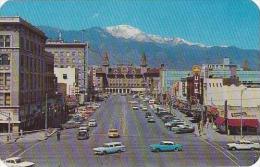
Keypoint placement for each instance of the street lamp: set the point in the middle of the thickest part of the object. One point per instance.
(241, 112)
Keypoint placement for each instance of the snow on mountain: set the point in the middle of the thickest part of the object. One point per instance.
(129, 32)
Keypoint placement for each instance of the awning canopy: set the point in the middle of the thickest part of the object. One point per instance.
(245, 122)
(219, 121)
(237, 122)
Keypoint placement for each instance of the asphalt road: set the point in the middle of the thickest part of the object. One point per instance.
(136, 135)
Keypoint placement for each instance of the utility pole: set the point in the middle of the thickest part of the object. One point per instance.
(46, 116)
(9, 125)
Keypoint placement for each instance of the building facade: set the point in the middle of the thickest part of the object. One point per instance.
(127, 78)
(68, 76)
(71, 55)
(169, 77)
(26, 74)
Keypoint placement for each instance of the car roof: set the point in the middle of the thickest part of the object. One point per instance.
(113, 143)
(165, 141)
(14, 158)
(92, 120)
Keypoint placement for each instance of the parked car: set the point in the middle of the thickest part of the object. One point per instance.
(169, 125)
(151, 120)
(113, 133)
(243, 145)
(82, 135)
(135, 107)
(144, 108)
(147, 114)
(185, 129)
(83, 128)
(108, 148)
(166, 146)
(18, 162)
(92, 123)
(70, 125)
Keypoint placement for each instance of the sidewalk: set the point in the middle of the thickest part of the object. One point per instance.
(29, 137)
(211, 134)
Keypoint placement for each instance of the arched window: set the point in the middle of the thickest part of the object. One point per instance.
(4, 59)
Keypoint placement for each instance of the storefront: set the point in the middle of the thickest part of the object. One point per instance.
(249, 122)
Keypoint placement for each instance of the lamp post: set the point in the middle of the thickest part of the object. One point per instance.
(241, 113)
(46, 115)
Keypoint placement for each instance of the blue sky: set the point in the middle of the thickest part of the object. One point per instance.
(210, 22)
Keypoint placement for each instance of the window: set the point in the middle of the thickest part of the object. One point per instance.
(1, 79)
(4, 59)
(65, 76)
(209, 84)
(5, 40)
(1, 99)
(213, 85)
(220, 84)
(7, 99)
(216, 84)
(7, 79)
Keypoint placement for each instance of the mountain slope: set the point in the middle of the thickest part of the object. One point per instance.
(125, 44)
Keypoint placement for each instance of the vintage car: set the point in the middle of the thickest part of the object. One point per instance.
(18, 162)
(243, 145)
(109, 148)
(166, 146)
(113, 133)
(92, 123)
(150, 119)
(70, 124)
(82, 135)
(184, 129)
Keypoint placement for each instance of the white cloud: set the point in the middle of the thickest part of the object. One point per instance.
(2, 2)
(257, 2)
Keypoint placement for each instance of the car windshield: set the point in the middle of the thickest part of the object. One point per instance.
(79, 74)
(18, 160)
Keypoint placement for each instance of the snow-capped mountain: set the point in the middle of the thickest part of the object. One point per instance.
(129, 32)
(125, 44)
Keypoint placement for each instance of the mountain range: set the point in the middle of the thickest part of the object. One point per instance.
(125, 45)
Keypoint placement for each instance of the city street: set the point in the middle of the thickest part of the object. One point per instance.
(136, 135)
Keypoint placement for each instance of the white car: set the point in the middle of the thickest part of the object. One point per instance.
(92, 123)
(243, 145)
(18, 162)
(144, 108)
(109, 148)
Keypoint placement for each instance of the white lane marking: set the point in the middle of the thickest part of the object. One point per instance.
(220, 151)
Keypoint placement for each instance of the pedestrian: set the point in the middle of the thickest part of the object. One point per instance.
(58, 135)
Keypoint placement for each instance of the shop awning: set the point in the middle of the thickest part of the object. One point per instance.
(219, 120)
(213, 110)
(245, 122)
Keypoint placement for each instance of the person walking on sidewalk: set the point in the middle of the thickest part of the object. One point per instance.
(58, 135)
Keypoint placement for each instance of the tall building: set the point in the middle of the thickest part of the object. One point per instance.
(71, 55)
(26, 75)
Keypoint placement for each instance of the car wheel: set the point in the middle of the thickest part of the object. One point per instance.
(157, 150)
(104, 152)
(233, 148)
(176, 149)
(252, 148)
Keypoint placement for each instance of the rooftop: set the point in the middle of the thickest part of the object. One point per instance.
(19, 20)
